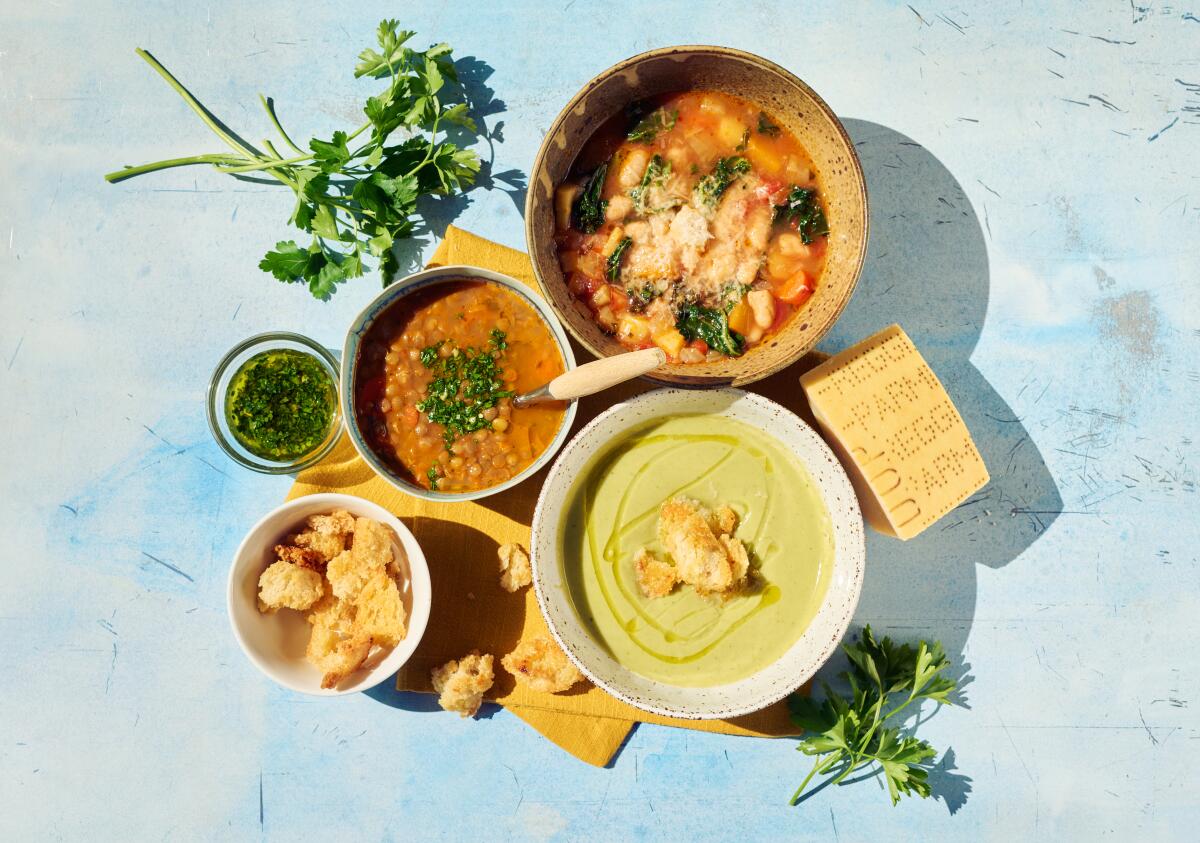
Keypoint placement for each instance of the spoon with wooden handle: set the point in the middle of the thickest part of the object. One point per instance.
(594, 377)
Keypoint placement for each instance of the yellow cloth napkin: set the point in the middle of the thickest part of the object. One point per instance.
(470, 610)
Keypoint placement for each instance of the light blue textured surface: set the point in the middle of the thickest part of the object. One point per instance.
(1036, 228)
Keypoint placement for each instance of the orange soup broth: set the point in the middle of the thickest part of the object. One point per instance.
(392, 380)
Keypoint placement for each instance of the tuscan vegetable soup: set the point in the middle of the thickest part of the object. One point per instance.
(694, 223)
(435, 381)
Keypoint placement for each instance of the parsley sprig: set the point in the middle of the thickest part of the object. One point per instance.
(845, 734)
(466, 383)
(357, 192)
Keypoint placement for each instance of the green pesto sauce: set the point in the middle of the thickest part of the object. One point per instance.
(280, 404)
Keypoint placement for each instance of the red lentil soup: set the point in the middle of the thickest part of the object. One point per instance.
(456, 351)
(694, 223)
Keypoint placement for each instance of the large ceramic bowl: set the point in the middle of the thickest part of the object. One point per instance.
(793, 104)
(353, 348)
(798, 663)
(275, 643)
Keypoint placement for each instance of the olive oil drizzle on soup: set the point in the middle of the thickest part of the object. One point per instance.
(414, 354)
(695, 224)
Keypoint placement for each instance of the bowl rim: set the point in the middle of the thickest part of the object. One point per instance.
(384, 300)
(856, 555)
(685, 381)
(212, 398)
(418, 572)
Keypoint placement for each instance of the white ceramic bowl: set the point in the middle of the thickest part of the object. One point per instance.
(275, 643)
(801, 661)
(393, 293)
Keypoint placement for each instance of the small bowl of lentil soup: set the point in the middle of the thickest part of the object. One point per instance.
(429, 370)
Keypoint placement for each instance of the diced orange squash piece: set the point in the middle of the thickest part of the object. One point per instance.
(670, 341)
(741, 317)
(795, 290)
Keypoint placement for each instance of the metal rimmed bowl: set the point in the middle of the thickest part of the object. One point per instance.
(391, 296)
(223, 375)
(790, 102)
(816, 643)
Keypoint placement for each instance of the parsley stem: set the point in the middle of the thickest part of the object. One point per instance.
(268, 105)
(264, 165)
(130, 172)
(822, 764)
(194, 104)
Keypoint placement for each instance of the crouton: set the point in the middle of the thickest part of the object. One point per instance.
(725, 520)
(334, 656)
(515, 570)
(379, 611)
(700, 559)
(326, 545)
(654, 577)
(739, 559)
(370, 552)
(540, 665)
(284, 585)
(301, 556)
(337, 523)
(462, 683)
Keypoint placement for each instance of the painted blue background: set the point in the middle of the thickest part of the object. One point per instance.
(1036, 228)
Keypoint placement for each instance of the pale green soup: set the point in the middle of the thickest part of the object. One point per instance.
(685, 639)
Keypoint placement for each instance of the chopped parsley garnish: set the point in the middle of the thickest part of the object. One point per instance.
(588, 213)
(280, 404)
(711, 325)
(765, 126)
(432, 476)
(466, 383)
(802, 210)
(710, 188)
(614, 260)
(649, 127)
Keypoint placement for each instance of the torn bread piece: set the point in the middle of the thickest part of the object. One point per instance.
(540, 665)
(655, 577)
(461, 683)
(370, 552)
(379, 611)
(337, 523)
(287, 586)
(515, 569)
(301, 556)
(701, 544)
(685, 531)
(324, 546)
(334, 647)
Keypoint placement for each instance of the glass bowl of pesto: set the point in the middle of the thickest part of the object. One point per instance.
(273, 403)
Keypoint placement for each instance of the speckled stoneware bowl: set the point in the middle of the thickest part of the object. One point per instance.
(353, 348)
(796, 106)
(812, 649)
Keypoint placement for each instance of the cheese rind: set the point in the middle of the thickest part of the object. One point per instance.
(903, 443)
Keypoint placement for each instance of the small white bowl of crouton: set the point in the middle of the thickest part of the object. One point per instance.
(329, 594)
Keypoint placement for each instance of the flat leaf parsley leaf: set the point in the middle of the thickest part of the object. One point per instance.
(357, 192)
(847, 733)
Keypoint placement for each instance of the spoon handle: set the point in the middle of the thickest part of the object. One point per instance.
(595, 376)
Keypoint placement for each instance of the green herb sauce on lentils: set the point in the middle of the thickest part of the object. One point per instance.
(280, 404)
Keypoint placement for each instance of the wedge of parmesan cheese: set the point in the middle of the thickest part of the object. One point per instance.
(900, 437)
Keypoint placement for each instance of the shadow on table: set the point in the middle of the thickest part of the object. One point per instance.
(927, 269)
(436, 212)
(459, 621)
